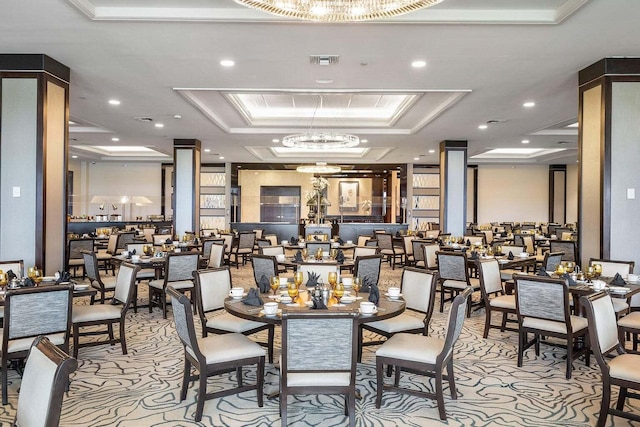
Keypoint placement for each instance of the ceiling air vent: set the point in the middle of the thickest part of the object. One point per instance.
(495, 121)
(564, 142)
(144, 119)
(324, 59)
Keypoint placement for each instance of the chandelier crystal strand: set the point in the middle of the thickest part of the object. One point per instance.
(317, 140)
(338, 10)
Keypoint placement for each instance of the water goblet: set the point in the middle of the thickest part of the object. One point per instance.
(292, 290)
(357, 285)
(319, 254)
(298, 278)
(305, 253)
(31, 272)
(597, 269)
(570, 266)
(333, 253)
(333, 278)
(275, 284)
(338, 291)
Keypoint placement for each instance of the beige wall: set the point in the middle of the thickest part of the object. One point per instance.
(364, 193)
(513, 193)
(572, 193)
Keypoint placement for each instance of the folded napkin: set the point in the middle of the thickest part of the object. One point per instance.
(340, 257)
(340, 241)
(468, 242)
(474, 255)
(542, 272)
(263, 284)
(312, 282)
(463, 250)
(133, 252)
(510, 256)
(28, 283)
(298, 257)
(63, 276)
(397, 234)
(196, 241)
(169, 241)
(318, 304)
(567, 277)
(293, 241)
(366, 285)
(618, 280)
(420, 235)
(252, 298)
(10, 275)
(374, 294)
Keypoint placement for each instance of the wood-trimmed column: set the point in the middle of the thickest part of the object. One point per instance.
(558, 194)
(34, 143)
(186, 186)
(453, 187)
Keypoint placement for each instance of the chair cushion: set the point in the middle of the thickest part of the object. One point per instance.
(76, 262)
(504, 301)
(625, 367)
(244, 251)
(619, 305)
(577, 324)
(387, 252)
(339, 379)
(507, 273)
(228, 322)
(108, 281)
(23, 344)
(459, 284)
(227, 347)
(419, 263)
(101, 256)
(412, 347)
(148, 273)
(158, 283)
(630, 321)
(90, 313)
(404, 322)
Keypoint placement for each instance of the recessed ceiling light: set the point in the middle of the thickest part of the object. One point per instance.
(207, 150)
(432, 151)
(275, 140)
(221, 157)
(483, 127)
(177, 116)
(114, 139)
(324, 81)
(159, 125)
(364, 141)
(529, 104)
(227, 63)
(114, 102)
(74, 157)
(419, 64)
(416, 158)
(72, 123)
(525, 141)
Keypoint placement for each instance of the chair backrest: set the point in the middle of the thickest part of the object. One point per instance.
(455, 321)
(304, 343)
(112, 244)
(385, 241)
(367, 267)
(166, 229)
(76, 246)
(262, 243)
(216, 256)
(49, 313)
(138, 247)
(212, 288)
(514, 249)
(272, 250)
(551, 260)
(362, 240)
(476, 238)
(543, 298)
(272, 238)
(488, 236)
(408, 246)
(124, 238)
(125, 284)
(490, 281)
(419, 289)
(264, 265)
(206, 246)
(430, 258)
(431, 234)
(208, 232)
(46, 375)
(321, 269)
(160, 239)
(181, 266)
(525, 240)
(611, 267)
(567, 235)
(228, 242)
(364, 251)
(452, 266)
(603, 326)
(373, 243)
(148, 234)
(566, 246)
(258, 233)
(183, 318)
(312, 247)
(16, 266)
(246, 240)
(416, 248)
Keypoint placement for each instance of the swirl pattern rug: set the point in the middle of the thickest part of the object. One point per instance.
(142, 388)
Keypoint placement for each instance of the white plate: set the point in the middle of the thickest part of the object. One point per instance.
(48, 279)
(348, 300)
(278, 313)
(284, 300)
(238, 297)
(387, 294)
(80, 287)
(368, 314)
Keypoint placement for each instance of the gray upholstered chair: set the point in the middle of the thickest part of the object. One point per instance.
(454, 277)
(364, 250)
(244, 247)
(74, 258)
(216, 256)
(48, 313)
(566, 246)
(418, 253)
(306, 367)
(124, 238)
(420, 353)
(178, 272)
(104, 257)
(622, 369)
(418, 289)
(212, 288)
(493, 295)
(45, 378)
(542, 305)
(526, 241)
(206, 249)
(367, 268)
(213, 355)
(551, 260)
(392, 252)
(264, 265)
(102, 284)
(106, 314)
(312, 247)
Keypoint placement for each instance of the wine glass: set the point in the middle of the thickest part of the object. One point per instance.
(275, 284)
(292, 290)
(37, 276)
(570, 266)
(590, 273)
(597, 269)
(305, 253)
(333, 278)
(357, 285)
(298, 278)
(31, 272)
(338, 291)
(3, 279)
(319, 254)
(333, 253)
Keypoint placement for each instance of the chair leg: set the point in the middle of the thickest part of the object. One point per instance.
(112, 339)
(487, 322)
(76, 339)
(270, 339)
(352, 408)
(202, 394)
(569, 357)
(283, 407)
(396, 380)
(260, 382)
(604, 405)
(123, 338)
(622, 396)
(503, 325)
(452, 381)
(5, 398)
(379, 381)
(440, 395)
(185, 379)
(239, 375)
(522, 338)
(163, 296)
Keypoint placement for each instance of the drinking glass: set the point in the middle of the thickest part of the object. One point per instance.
(333, 253)
(597, 269)
(275, 283)
(292, 290)
(338, 291)
(570, 267)
(319, 254)
(31, 272)
(333, 278)
(37, 276)
(298, 278)
(305, 253)
(3, 279)
(357, 285)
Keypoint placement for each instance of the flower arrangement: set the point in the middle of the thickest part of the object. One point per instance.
(319, 183)
(366, 205)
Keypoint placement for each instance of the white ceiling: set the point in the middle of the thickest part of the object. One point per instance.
(485, 58)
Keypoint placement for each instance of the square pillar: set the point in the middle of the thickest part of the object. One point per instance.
(186, 186)
(453, 187)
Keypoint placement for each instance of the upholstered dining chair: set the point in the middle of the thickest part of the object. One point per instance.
(272, 238)
(322, 270)
(312, 247)
(206, 249)
(104, 257)
(408, 249)
(418, 253)
(216, 256)
(46, 375)
(493, 295)
(29, 312)
(454, 277)
(178, 272)
(148, 233)
(160, 239)
(212, 288)
(622, 369)
(475, 240)
(264, 265)
(364, 250)
(74, 258)
(426, 354)
(526, 241)
(418, 288)
(106, 314)
(124, 238)
(362, 240)
(542, 305)
(609, 269)
(566, 246)
(228, 246)
(273, 251)
(391, 252)
(430, 258)
(306, 367)
(367, 268)
(244, 247)
(102, 284)
(213, 355)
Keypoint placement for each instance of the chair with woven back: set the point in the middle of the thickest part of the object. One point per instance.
(390, 251)
(178, 273)
(213, 355)
(104, 257)
(418, 253)
(206, 249)
(306, 367)
(102, 284)
(454, 277)
(74, 258)
(566, 246)
(408, 249)
(367, 268)
(244, 247)
(212, 288)
(124, 238)
(264, 268)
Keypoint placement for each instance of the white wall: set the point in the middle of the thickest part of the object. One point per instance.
(513, 193)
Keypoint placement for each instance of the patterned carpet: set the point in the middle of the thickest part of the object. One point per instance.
(142, 388)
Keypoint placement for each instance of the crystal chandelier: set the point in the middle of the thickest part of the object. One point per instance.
(319, 168)
(338, 10)
(318, 140)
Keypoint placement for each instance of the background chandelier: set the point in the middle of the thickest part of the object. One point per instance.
(319, 168)
(338, 10)
(318, 140)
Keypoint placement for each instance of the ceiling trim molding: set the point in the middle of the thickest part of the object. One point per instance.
(195, 101)
(569, 8)
(436, 112)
